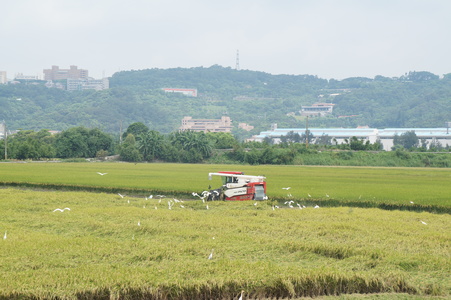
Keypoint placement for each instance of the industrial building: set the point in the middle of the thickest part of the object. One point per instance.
(384, 136)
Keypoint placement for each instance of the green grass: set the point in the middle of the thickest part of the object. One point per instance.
(97, 250)
(429, 189)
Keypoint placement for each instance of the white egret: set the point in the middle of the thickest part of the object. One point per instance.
(423, 222)
(327, 195)
(286, 188)
(241, 296)
(4, 237)
(411, 202)
(122, 196)
(207, 206)
(255, 204)
(211, 254)
(182, 206)
(61, 210)
(316, 206)
(101, 174)
(309, 195)
(139, 223)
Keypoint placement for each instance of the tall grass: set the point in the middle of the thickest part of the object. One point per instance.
(97, 250)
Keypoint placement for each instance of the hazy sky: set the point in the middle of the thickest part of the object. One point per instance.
(328, 38)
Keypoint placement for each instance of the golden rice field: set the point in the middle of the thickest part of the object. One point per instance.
(109, 247)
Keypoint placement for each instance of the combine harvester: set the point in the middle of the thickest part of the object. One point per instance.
(237, 186)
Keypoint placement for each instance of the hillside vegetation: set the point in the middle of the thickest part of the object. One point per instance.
(416, 99)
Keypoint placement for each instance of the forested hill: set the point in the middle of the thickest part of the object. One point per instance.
(415, 99)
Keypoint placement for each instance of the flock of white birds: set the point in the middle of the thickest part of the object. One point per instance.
(203, 196)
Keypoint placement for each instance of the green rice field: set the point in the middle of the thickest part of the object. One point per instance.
(355, 186)
(133, 247)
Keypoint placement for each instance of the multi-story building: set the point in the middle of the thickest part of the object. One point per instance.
(87, 84)
(207, 125)
(3, 79)
(55, 73)
(317, 109)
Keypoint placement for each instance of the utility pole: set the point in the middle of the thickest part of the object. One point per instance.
(6, 140)
(306, 132)
(120, 133)
(237, 65)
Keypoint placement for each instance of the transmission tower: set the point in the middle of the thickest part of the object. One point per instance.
(237, 65)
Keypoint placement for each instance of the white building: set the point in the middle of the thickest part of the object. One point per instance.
(207, 125)
(186, 92)
(87, 84)
(3, 79)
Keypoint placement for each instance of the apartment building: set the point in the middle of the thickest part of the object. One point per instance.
(55, 73)
(207, 125)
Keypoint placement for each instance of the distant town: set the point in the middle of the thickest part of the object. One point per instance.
(72, 79)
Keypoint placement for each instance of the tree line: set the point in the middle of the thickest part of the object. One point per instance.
(139, 143)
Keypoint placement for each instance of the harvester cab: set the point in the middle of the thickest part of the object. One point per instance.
(237, 186)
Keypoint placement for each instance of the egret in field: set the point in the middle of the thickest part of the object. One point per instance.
(207, 206)
(300, 207)
(411, 202)
(156, 207)
(151, 196)
(316, 206)
(423, 222)
(101, 174)
(61, 210)
(211, 254)
(327, 195)
(4, 237)
(309, 195)
(122, 196)
(241, 296)
(255, 204)
(182, 206)
(286, 188)
(139, 223)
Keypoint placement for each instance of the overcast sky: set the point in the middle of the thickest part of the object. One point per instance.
(328, 38)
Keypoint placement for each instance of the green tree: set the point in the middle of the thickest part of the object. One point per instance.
(136, 129)
(193, 142)
(150, 144)
(222, 140)
(129, 150)
(408, 140)
(77, 142)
